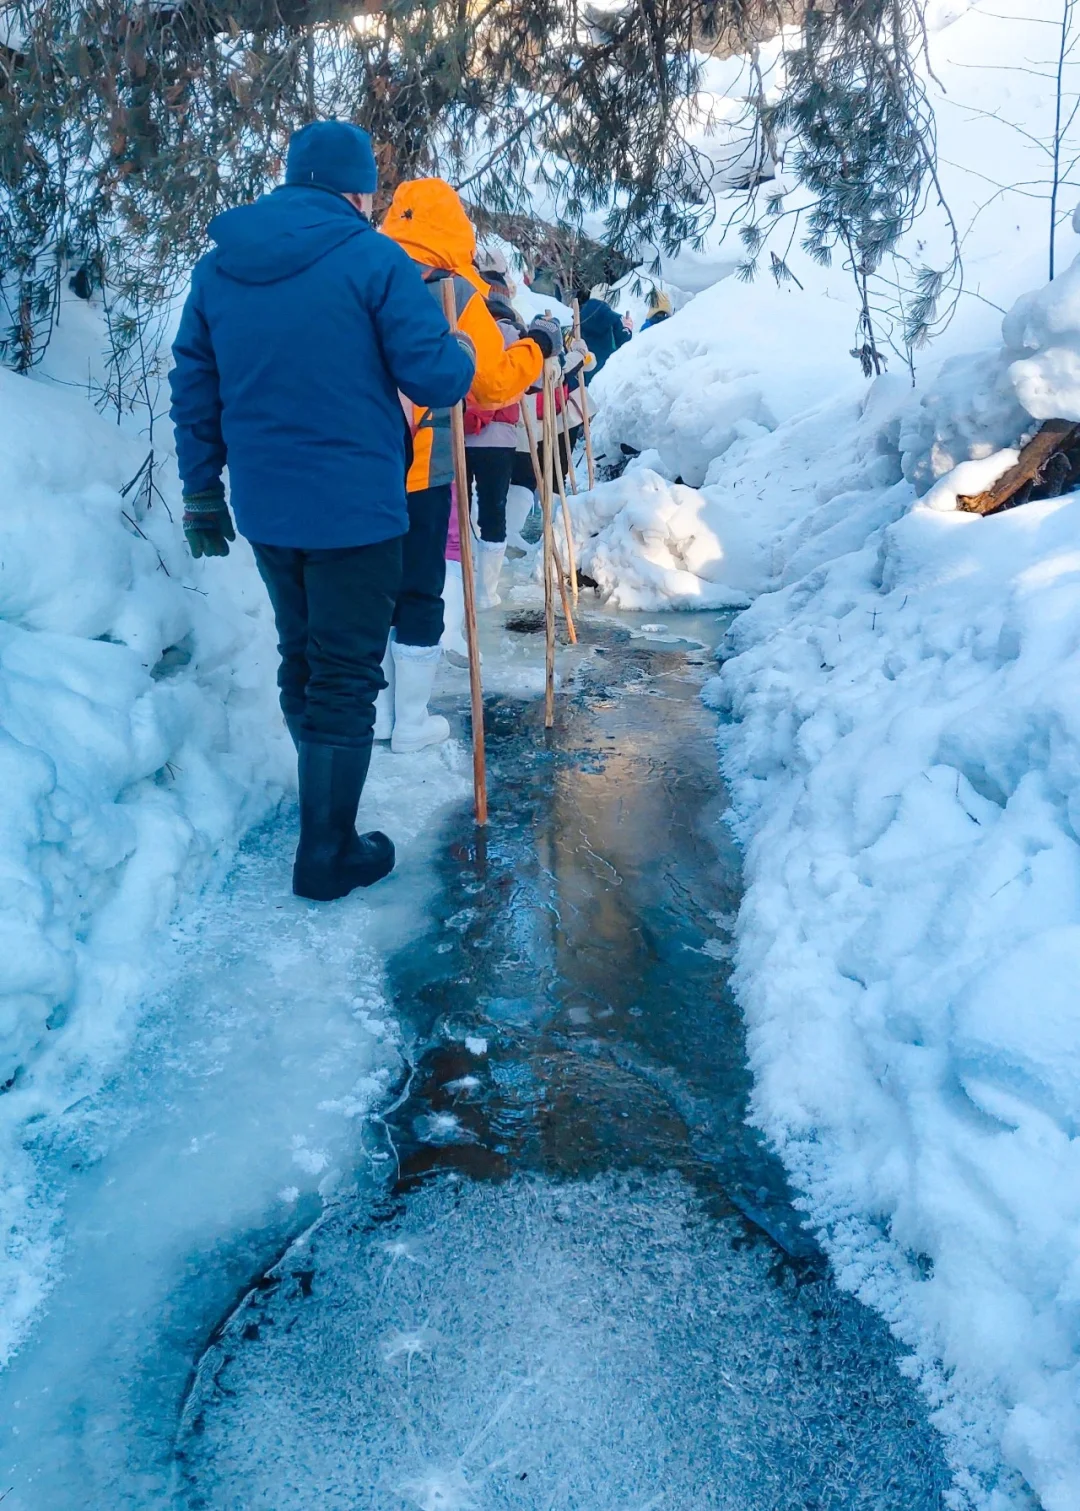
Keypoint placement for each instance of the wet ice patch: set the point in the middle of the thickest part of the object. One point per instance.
(598, 1345)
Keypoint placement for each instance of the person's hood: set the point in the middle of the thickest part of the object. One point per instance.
(282, 234)
(501, 309)
(427, 219)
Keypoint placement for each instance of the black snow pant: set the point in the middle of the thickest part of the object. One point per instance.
(418, 617)
(522, 475)
(523, 469)
(491, 469)
(333, 610)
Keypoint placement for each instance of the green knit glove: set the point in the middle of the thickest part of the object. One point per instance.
(208, 524)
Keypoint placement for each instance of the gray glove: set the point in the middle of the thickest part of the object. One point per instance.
(546, 331)
(208, 524)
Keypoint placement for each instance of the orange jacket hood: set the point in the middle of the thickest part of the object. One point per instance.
(427, 219)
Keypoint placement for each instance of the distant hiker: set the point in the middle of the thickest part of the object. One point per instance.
(491, 439)
(603, 329)
(546, 280)
(659, 309)
(428, 220)
(300, 329)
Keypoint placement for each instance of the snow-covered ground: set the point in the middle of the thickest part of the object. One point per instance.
(903, 746)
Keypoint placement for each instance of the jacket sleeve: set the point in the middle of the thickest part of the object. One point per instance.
(196, 401)
(425, 360)
(503, 373)
(618, 330)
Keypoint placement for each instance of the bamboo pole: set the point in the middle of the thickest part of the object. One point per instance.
(468, 582)
(530, 435)
(585, 406)
(548, 433)
(568, 527)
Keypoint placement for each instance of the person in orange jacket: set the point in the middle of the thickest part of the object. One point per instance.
(428, 221)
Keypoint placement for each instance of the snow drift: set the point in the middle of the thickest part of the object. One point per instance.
(138, 736)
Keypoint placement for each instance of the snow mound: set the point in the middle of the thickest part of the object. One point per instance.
(138, 736)
(1042, 333)
(905, 763)
(721, 368)
(649, 542)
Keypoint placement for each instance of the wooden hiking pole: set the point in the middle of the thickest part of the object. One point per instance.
(468, 582)
(567, 524)
(549, 435)
(556, 460)
(585, 406)
(570, 628)
(566, 432)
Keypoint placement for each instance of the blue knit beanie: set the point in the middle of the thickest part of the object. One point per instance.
(332, 155)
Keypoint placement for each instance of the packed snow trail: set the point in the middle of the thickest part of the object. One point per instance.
(584, 1285)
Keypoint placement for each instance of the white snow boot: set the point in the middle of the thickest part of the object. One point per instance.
(414, 677)
(519, 505)
(453, 642)
(489, 560)
(384, 702)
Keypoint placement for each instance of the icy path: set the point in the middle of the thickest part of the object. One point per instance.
(584, 1288)
(242, 1102)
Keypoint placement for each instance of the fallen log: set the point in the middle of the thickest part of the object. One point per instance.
(1051, 437)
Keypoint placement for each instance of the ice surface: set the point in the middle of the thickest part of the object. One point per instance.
(534, 1344)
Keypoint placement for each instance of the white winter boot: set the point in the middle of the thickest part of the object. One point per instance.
(453, 643)
(384, 702)
(414, 677)
(519, 505)
(489, 560)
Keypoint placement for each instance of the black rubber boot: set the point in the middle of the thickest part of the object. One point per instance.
(331, 858)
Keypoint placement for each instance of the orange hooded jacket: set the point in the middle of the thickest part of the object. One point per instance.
(428, 220)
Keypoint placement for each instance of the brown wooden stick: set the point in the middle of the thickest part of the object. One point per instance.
(584, 392)
(557, 464)
(468, 582)
(560, 575)
(549, 562)
(567, 522)
(566, 433)
(533, 453)
(1051, 436)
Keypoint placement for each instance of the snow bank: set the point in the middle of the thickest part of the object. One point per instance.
(691, 386)
(904, 758)
(138, 736)
(648, 541)
(905, 763)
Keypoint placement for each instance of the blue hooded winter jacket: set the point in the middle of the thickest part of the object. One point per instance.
(301, 325)
(602, 331)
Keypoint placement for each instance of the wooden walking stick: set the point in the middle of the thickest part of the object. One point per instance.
(566, 433)
(567, 524)
(585, 406)
(468, 582)
(549, 434)
(570, 627)
(556, 459)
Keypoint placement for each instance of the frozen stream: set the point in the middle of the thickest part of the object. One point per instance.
(581, 1283)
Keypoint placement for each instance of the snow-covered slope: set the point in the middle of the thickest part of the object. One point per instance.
(138, 737)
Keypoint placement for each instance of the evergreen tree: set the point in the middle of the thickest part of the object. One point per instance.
(125, 125)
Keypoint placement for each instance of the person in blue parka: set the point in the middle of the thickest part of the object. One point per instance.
(603, 329)
(302, 330)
